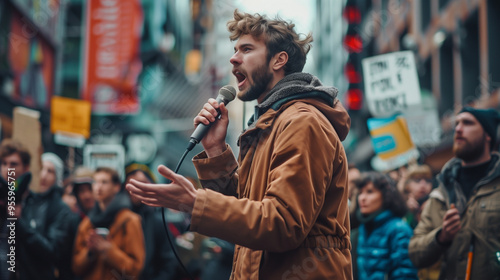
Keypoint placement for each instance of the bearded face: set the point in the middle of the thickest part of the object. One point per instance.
(470, 142)
(261, 78)
(469, 149)
(251, 68)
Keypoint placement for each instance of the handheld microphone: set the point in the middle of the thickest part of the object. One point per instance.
(226, 94)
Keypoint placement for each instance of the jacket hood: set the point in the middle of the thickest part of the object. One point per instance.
(98, 218)
(296, 83)
(308, 89)
(452, 167)
(448, 176)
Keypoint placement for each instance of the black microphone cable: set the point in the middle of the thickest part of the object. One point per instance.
(226, 94)
(165, 223)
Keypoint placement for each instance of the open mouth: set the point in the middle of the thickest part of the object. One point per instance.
(240, 77)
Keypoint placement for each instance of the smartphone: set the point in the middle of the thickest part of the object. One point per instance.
(102, 232)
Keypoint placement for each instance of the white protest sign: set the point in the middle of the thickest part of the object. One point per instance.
(391, 83)
(108, 155)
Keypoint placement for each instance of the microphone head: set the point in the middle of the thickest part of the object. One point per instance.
(228, 92)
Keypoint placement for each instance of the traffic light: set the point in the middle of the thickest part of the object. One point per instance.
(353, 44)
(354, 99)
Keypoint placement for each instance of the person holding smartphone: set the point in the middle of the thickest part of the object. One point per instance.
(110, 241)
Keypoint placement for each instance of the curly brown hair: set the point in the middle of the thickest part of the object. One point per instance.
(393, 200)
(277, 34)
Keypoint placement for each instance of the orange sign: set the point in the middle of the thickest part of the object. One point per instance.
(112, 63)
(70, 115)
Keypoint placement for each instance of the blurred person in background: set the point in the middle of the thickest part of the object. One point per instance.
(68, 196)
(82, 190)
(78, 196)
(381, 241)
(218, 259)
(353, 174)
(14, 167)
(285, 199)
(160, 262)
(398, 174)
(82, 200)
(463, 215)
(416, 187)
(110, 242)
(52, 172)
(15, 160)
(42, 230)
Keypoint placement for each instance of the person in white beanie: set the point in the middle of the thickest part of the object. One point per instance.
(42, 229)
(52, 171)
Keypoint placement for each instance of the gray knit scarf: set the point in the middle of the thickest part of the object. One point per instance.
(294, 86)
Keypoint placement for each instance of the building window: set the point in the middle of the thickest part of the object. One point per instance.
(425, 74)
(447, 92)
(469, 53)
(493, 44)
(425, 14)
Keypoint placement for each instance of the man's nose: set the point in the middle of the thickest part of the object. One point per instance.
(235, 59)
(458, 127)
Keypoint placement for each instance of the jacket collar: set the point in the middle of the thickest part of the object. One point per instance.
(294, 86)
(450, 190)
(98, 218)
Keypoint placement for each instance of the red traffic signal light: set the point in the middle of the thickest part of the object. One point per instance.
(353, 76)
(353, 43)
(354, 99)
(352, 15)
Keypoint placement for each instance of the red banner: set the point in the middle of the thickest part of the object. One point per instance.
(112, 63)
(32, 63)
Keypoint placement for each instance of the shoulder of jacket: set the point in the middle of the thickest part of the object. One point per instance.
(302, 112)
(126, 215)
(85, 224)
(395, 224)
(297, 107)
(437, 194)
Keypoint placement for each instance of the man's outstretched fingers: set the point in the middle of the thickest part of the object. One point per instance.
(145, 187)
(174, 177)
(137, 194)
(169, 173)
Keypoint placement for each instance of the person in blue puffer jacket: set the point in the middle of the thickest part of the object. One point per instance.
(380, 244)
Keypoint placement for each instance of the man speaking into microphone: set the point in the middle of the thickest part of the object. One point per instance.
(284, 201)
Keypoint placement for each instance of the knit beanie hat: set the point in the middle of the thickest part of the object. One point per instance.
(135, 166)
(58, 166)
(488, 118)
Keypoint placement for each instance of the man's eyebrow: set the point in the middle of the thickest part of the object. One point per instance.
(243, 46)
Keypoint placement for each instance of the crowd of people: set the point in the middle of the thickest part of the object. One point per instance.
(90, 228)
(289, 207)
(418, 225)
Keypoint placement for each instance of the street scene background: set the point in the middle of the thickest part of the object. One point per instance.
(108, 82)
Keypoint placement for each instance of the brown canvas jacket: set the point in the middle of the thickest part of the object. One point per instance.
(284, 203)
(124, 260)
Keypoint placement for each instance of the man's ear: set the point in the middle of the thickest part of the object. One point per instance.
(279, 60)
(488, 140)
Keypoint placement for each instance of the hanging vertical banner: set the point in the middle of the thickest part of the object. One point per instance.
(32, 62)
(111, 55)
(392, 142)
